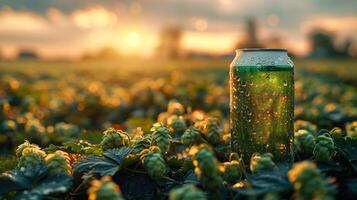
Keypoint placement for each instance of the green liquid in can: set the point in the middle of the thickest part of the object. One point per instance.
(262, 110)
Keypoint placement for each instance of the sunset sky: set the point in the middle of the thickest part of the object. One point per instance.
(67, 28)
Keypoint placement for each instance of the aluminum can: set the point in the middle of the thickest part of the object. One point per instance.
(262, 103)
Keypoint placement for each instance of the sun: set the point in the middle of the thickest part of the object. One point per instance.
(132, 39)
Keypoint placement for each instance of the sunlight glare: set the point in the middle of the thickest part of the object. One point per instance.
(133, 39)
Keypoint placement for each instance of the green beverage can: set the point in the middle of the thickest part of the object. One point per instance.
(262, 103)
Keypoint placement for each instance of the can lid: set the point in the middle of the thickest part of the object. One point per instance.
(261, 49)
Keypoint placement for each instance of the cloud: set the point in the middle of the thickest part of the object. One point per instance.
(52, 26)
(94, 17)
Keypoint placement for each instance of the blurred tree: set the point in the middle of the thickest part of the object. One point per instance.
(323, 45)
(104, 53)
(27, 54)
(250, 39)
(170, 42)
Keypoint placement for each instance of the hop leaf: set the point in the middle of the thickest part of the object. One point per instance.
(104, 189)
(307, 181)
(210, 127)
(259, 162)
(190, 137)
(153, 162)
(186, 192)
(175, 108)
(324, 148)
(304, 141)
(58, 163)
(114, 139)
(161, 136)
(232, 172)
(206, 167)
(176, 124)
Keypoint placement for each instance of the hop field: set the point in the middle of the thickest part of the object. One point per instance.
(140, 129)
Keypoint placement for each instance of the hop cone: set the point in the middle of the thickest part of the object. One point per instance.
(114, 139)
(58, 163)
(232, 172)
(351, 129)
(307, 181)
(104, 189)
(337, 132)
(206, 167)
(35, 129)
(175, 108)
(20, 149)
(324, 148)
(153, 162)
(304, 141)
(176, 124)
(190, 137)
(140, 143)
(161, 136)
(211, 128)
(300, 124)
(187, 192)
(66, 129)
(259, 162)
(29, 159)
(8, 126)
(30, 155)
(162, 117)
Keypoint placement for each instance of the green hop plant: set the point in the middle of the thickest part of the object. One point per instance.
(104, 189)
(153, 162)
(191, 136)
(161, 137)
(66, 129)
(210, 127)
(34, 129)
(187, 192)
(140, 143)
(162, 117)
(114, 139)
(233, 156)
(310, 127)
(20, 149)
(351, 129)
(232, 172)
(308, 181)
(176, 124)
(175, 108)
(58, 163)
(260, 162)
(324, 148)
(206, 167)
(304, 141)
(337, 132)
(30, 154)
(30, 159)
(8, 126)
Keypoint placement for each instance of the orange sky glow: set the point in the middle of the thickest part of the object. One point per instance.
(56, 33)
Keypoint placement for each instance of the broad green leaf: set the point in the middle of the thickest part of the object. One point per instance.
(106, 165)
(347, 147)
